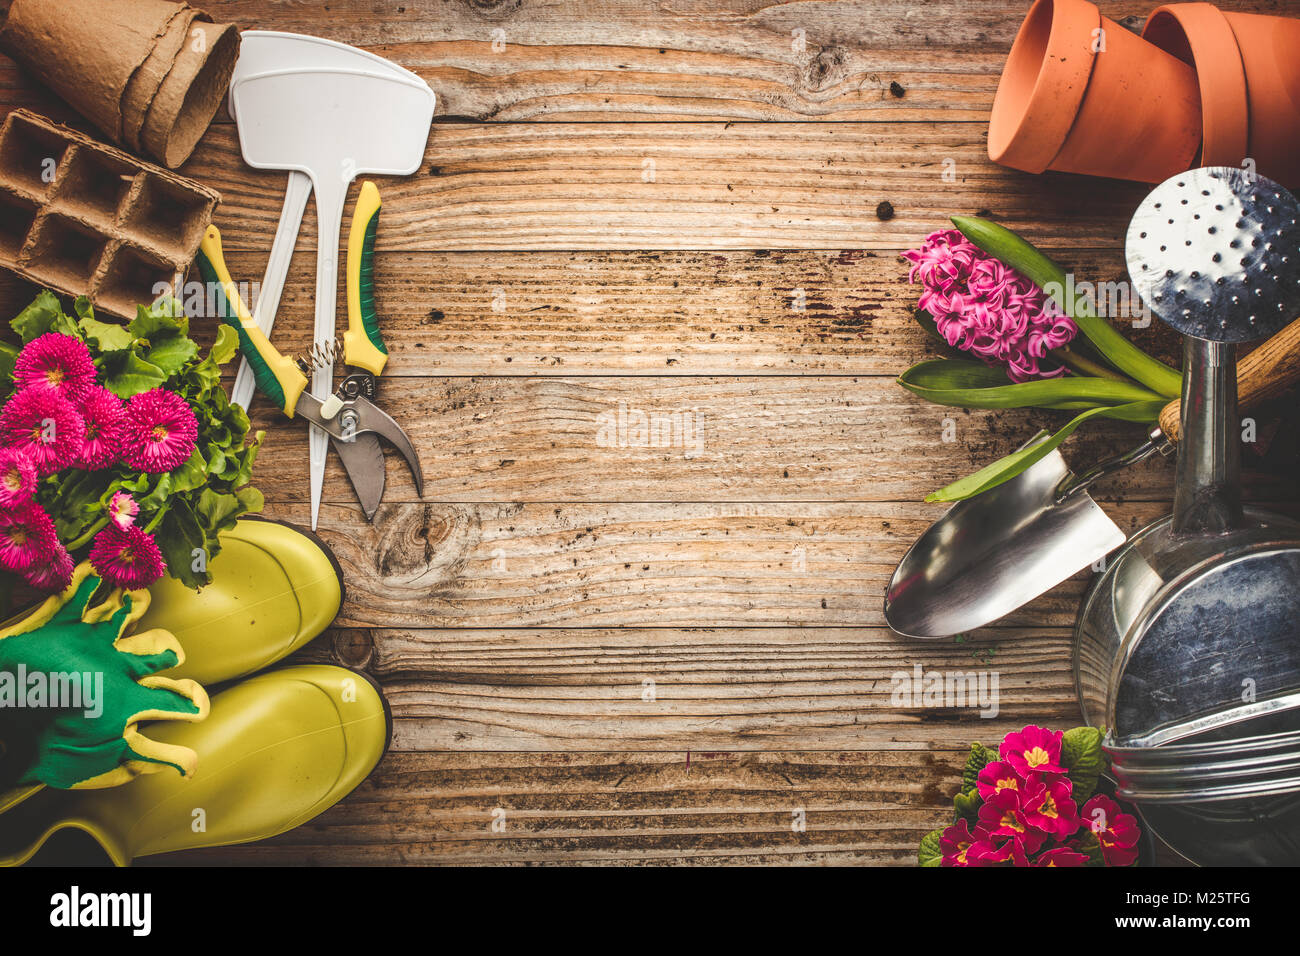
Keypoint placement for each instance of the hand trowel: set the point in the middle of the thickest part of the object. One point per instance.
(267, 51)
(1001, 549)
(332, 125)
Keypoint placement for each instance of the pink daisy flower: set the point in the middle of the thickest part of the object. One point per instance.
(105, 418)
(1117, 832)
(122, 508)
(1033, 750)
(27, 538)
(127, 559)
(17, 478)
(44, 426)
(54, 573)
(161, 431)
(56, 363)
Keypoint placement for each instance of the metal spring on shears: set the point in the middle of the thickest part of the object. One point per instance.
(321, 355)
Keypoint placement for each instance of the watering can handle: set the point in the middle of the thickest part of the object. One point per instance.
(1263, 374)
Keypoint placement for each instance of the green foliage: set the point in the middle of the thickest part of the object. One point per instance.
(1081, 755)
(188, 507)
(980, 757)
(967, 806)
(929, 852)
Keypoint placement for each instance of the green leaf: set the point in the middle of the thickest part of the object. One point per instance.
(190, 474)
(930, 852)
(43, 315)
(1004, 469)
(1081, 756)
(127, 374)
(218, 512)
(967, 806)
(163, 316)
(225, 347)
(961, 383)
(178, 535)
(1089, 845)
(106, 336)
(1001, 243)
(171, 353)
(980, 757)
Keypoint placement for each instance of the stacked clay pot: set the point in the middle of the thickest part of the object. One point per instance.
(1082, 94)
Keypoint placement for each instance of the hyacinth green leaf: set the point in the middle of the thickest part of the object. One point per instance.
(1081, 756)
(966, 384)
(980, 757)
(1004, 469)
(930, 852)
(1015, 252)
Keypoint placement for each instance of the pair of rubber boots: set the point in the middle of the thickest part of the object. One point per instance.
(276, 749)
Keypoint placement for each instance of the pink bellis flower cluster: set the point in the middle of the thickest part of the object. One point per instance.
(1029, 817)
(60, 418)
(983, 307)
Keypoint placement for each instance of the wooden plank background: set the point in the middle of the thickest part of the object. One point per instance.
(670, 208)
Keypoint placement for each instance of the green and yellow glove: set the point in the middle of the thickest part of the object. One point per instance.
(75, 686)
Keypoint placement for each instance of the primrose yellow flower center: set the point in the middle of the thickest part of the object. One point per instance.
(1037, 757)
(1008, 783)
(1009, 820)
(1048, 809)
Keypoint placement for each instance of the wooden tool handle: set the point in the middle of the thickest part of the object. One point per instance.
(1263, 374)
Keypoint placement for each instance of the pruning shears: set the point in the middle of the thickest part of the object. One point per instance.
(350, 416)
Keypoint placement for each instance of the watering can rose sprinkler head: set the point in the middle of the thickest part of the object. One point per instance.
(1215, 252)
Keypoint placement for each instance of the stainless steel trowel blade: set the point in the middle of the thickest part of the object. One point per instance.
(996, 552)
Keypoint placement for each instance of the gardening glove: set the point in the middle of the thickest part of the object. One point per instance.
(75, 685)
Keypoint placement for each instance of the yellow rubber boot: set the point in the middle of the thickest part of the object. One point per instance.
(274, 588)
(276, 750)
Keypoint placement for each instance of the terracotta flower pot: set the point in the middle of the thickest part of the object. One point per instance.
(1200, 36)
(1270, 53)
(1081, 94)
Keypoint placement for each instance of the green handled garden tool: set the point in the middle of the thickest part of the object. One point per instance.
(355, 424)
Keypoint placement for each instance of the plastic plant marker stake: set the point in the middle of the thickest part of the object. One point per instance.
(265, 51)
(332, 125)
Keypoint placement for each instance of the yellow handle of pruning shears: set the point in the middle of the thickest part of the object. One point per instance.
(278, 377)
(363, 346)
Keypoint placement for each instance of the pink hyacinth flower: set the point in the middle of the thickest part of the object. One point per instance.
(1033, 750)
(981, 306)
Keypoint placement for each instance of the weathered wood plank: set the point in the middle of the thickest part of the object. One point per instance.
(710, 59)
(686, 438)
(645, 313)
(704, 689)
(522, 186)
(676, 565)
(626, 808)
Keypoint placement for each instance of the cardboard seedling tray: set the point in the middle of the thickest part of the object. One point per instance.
(83, 218)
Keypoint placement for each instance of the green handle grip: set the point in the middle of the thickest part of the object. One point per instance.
(277, 377)
(363, 346)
